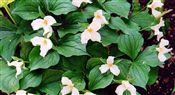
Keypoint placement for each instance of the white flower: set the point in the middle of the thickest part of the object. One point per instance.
(157, 27)
(68, 87)
(77, 3)
(45, 24)
(89, 93)
(44, 43)
(155, 4)
(162, 50)
(18, 65)
(110, 66)
(125, 86)
(91, 33)
(99, 17)
(23, 92)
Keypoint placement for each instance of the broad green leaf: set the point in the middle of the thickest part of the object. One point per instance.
(143, 19)
(25, 50)
(108, 36)
(149, 57)
(120, 7)
(8, 46)
(125, 26)
(50, 83)
(70, 29)
(27, 9)
(98, 80)
(130, 44)
(75, 17)
(79, 83)
(92, 62)
(139, 72)
(8, 82)
(97, 50)
(153, 75)
(89, 11)
(32, 79)
(71, 46)
(37, 62)
(59, 7)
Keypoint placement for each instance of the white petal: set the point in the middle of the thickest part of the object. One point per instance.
(110, 60)
(104, 68)
(95, 26)
(76, 3)
(37, 24)
(66, 81)
(50, 20)
(162, 57)
(95, 36)
(18, 71)
(45, 46)
(132, 90)
(89, 93)
(48, 31)
(21, 92)
(36, 40)
(115, 70)
(159, 36)
(156, 13)
(164, 43)
(85, 36)
(102, 18)
(75, 91)
(120, 89)
(17, 65)
(65, 90)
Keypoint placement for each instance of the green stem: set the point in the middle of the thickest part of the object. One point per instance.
(8, 12)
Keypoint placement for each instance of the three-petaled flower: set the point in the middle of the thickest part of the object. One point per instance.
(110, 66)
(155, 4)
(22, 92)
(68, 87)
(18, 65)
(44, 43)
(45, 24)
(78, 3)
(98, 17)
(125, 86)
(162, 50)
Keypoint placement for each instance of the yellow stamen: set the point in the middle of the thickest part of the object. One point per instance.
(110, 65)
(45, 22)
(90, 30)
(98, 16)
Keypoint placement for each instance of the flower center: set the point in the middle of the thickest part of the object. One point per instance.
(161, 50)
(90, 30)
(98, 16)
(45, 22)
(110, 65)
(45, 42)
(71, 86)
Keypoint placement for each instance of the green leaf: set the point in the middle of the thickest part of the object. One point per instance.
(97, 50)
(79, 83)
(25, 50)
(98, 80)
(143, 19)
(75, 17)
(139, 73)
(153, 75)
(108, 36)
(92, 62)
(120, 7)
(125, 25)
(59, 7)
(31, 80)
(130, 44)
(149, 57)
(50, 83)
(36, 61)
(8, 46)
(71, 46)
(27, 9)
(70, 29)
(8, 82)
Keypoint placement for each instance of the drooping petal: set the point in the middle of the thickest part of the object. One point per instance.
(85, 36)
(50, 20)
(18, 71)
(115, 70)
(21, 92)
(159, 36)
(156, 4)
(37, 24)
(47, 31)
(132, 90)
(66, 90)
(66, 81)
(162, 57)
(75, 91)
(104, 68)
(120, 89)
(95, 36)
(110, 60)
(156, 13)
(163, 43)
(36, 40)
(17, 65)
(76, 3)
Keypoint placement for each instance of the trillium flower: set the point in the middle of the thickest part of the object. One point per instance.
(68, 87)
(157, 27)
(44, 43)
(110, 66)
(89, 93)
(45, 24)
(99, 17)
(162, 50)
(77, 3)
(125, 86)
(23, 92)
(18, 65)
(155, 4)
(91, 33)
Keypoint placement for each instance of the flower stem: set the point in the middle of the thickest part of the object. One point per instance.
(8, 12)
